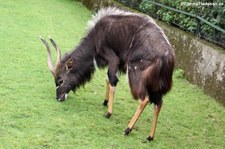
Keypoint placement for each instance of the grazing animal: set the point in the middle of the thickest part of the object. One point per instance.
(125, 42)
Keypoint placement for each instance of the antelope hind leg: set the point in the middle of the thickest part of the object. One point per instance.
(141, 107)
(154, 122)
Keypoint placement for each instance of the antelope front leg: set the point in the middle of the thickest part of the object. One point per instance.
(154, 122)
(141, 107)
(105, 103)
(111, 94)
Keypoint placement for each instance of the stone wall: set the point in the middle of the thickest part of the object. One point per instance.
(202, 62)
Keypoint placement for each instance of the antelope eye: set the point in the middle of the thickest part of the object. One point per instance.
(60, 81)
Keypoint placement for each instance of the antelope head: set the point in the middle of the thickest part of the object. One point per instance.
(62, 74)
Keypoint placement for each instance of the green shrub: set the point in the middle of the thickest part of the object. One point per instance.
(213, 13)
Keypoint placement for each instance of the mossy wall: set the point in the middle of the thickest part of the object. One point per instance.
(202, 62)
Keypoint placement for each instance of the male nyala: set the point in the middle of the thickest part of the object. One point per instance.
(124, 42)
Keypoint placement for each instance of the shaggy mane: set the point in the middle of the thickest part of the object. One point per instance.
(103, 12)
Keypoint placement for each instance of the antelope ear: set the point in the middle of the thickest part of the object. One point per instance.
(69, 64)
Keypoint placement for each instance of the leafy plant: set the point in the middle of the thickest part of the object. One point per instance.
(179, 73)
(214, 13)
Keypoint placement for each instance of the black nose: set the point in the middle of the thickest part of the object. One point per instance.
(60, 99)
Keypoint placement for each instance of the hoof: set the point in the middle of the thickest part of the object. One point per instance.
(150, 138)
(127, 131)
(107, 115)
(105, 103)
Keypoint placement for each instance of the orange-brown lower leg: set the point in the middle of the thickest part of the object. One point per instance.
(141, 107)
(112, 90)
(106, 94)
(154, 122)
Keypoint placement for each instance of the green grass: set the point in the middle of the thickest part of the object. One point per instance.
(30, 117)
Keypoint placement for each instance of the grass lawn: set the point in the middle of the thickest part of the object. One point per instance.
(30, 116)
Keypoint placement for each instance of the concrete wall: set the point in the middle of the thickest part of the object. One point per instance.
(202, 62)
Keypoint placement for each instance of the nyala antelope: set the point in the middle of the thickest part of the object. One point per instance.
(125, 42)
